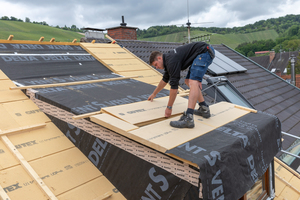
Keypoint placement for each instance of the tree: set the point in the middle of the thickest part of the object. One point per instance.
(4, 18)
(27, 20)
(12, 18)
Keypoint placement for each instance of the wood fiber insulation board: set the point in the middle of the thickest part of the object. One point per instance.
(144, 111)
(7, 95)
(110, 53)
(3, 76)
(19, 114)
(99, 45)
(126, 65)
(166, 137)
(40, 142)
(284, 176)
(289, 193)
(6, 159)
(91, 190)
(64, 171)
(17, 184)
(113, 123)
(149, 76)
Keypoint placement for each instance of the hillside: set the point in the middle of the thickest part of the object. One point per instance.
(30, 31)
(232, 40)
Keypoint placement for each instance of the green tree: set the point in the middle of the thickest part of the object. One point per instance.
(4, 18)
(27, 20)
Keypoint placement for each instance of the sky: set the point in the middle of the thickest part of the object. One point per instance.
(146, 13)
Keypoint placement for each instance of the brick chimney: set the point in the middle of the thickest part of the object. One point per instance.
(272, 56)
(122, 32)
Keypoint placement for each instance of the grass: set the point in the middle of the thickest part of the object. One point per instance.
(231, 40)
(33, 32)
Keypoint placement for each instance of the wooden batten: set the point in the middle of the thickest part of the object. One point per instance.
(38, 42)
(10, 37)
(28, 168)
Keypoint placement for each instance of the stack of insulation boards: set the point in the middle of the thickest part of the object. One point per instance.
(37, 161)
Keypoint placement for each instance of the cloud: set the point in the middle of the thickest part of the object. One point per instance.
(143, 14)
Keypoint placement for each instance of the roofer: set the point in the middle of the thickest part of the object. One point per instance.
(199, 55)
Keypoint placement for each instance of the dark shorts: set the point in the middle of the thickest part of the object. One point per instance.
(199, 66)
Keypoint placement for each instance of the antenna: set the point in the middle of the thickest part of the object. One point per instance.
(188, 23)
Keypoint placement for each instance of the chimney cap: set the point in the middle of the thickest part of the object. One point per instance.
(123, 22)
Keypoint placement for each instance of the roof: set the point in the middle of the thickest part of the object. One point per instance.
(267, 92)
(124, 156)
(280, 61)
(93, 29)
(122, 27)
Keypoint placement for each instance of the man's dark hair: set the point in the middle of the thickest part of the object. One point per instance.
(153, 56)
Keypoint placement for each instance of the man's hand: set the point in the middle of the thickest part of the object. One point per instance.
(168, 112)
(151, 97)
(200, 85)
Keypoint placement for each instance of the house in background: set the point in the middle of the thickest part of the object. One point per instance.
(277, 63)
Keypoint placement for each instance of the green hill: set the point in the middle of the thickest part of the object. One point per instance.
(30, 31)
(231, 40)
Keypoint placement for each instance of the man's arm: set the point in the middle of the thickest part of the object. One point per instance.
(160, 86)
(172, 97)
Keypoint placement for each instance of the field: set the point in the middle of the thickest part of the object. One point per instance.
(29, 31)
(231, 40)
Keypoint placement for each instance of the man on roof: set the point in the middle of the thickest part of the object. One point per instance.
(199, 55)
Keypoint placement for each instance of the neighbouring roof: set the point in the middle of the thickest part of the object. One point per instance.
(93, 29)
(280, 62)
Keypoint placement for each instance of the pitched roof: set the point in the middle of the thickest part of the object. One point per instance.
(280, 62)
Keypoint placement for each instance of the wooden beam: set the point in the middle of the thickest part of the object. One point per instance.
(28, 168)
(244, 108)
(86, 115)
(3, 195)
(111, 39)
(41, 39)
(72, 83)
(10, 37)
(52, 40)
(37, 42)
(74, 40)
(26, 128)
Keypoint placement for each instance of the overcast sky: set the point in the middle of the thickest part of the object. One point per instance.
(145, 13)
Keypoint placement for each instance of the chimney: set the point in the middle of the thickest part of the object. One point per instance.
(278, 72)
(272, 56)
(122, 32)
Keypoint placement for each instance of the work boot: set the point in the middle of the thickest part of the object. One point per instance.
(203, 111)
(185, 121)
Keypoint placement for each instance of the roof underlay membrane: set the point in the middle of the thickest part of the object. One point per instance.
(130, 144)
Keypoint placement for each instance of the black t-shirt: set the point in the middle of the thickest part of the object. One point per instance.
(180, 59)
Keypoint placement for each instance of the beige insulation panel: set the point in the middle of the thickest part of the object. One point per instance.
(110, 53)
(66, 172)
(128, 65)
(158, 133)
(148, 76)
(287, 182)
(140, 112)
(3, 76)
(7, 95)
